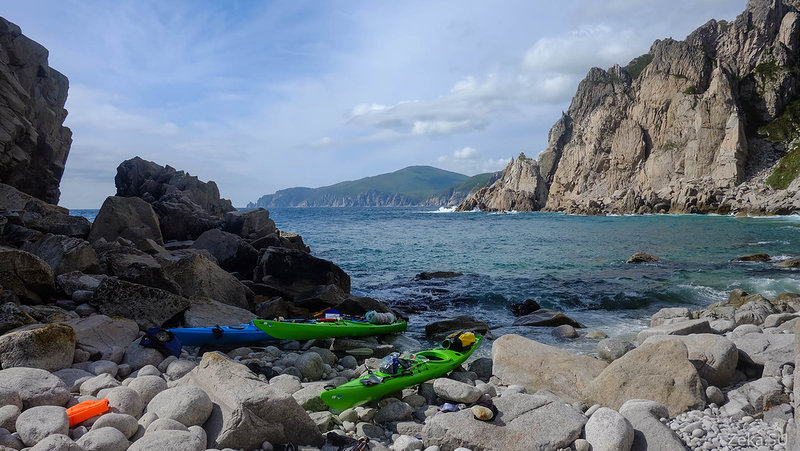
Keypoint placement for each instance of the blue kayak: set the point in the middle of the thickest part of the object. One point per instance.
(220, 335)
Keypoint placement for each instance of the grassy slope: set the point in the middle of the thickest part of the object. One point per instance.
(785, 129)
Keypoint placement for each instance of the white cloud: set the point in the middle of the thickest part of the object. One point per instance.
(466, 153)
(469, 161)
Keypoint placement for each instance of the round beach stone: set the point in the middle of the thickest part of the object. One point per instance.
(610, 349)
(187, 404)
(369, 430)
(407, 443)
(179, 368)
(608, 430)
(148, 386)
(148, 370)
(138, 356)
(482, 413)
(165, 363)
(394, 411)
(57, 442)
(349, 362)
(93, 386)
(455, 391)
(310, 365)
(715, 395)
(122, 422)
(103, 439)
(73, 377)
(169, 441)
(8, 417)
(38, 422)
(125, 400)
(165, 424)
(286, 383)
(34, 387)
(564, 331)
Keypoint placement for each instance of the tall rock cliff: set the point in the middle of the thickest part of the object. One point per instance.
(700, 125)
(33, 143)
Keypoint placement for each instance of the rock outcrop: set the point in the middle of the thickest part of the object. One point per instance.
(33, 143)
(693, 126)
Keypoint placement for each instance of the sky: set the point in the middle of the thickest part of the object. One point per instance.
(265, 95)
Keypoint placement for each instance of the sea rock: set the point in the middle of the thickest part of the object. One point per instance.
(752, 258)
(148, 387)
(753, 313)
(12, 317)
(126, 217)
(661, 372)
(26, 275)
(695, 326)
(102, 336)
(246, 403)
(564, 331)
(38, 422)
(188, 405)
(65, 254)
(298, 272)
(232, 252)
(437, 275)
(77, 281)
(776, 319)
(34, 142)
(790, 263)
(714, 356)
(49, 347)
(148, 306)
(649, 432)
(608, 430)
(520, 187)
(455, 391)
(755, 397)
(533, 365)
(103, 439)
(250, 224)
(439, 329)
(556, 425)
(643, 257)
(132, 265)
(525, 307)
(169, 441)
(768, 350)
(207, 312)
(670, 315)
(547, 318)
(738, 297)
(610, 349)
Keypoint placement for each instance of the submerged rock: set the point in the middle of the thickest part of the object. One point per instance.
(643, 257)
(439, 329)
(546, 318)
(753, 258)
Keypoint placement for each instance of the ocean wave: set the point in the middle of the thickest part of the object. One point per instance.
(770, 287)
(441, 210)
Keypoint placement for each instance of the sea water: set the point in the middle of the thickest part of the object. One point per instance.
(572, 264)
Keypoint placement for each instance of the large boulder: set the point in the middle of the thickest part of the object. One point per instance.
(186, 404)
(520, 361)
(35, 387)
(438, 329)
(755, 397)
(208, 312)
(50, 347)
(659, 372)
(232, 252)
(199, 277)
(528, 422)
(250, 224)
(545, 318)
(126, 217)
(65, 254)
(298, 272)
(649, 432)
(147, 306)
(246, 411)
(714, 356)
(768, 350)
(78, 281)
(26, 275)
(103, 337)
(133, 265)
(695, 326)
(33, 144)
(12, 316)
(608, 430)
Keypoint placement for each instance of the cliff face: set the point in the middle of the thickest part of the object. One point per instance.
(676, 130)
(519, 187)
(33, 143)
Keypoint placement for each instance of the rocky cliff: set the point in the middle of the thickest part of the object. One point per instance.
(701, 125)
(33, 143)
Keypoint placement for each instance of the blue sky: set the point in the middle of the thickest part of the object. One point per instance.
(260, 96)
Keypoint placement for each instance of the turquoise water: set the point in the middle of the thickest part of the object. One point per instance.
(574, 264)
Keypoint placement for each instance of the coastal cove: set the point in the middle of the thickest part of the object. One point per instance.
(573, 264)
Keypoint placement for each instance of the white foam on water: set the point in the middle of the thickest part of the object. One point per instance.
(780, 258)
(771, 287)
(702, 294)
(441, 210)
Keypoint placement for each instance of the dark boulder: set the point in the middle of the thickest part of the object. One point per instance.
(18, 236)
(525, 307)
(753, 258)
(298, 272)
(439, 329)
(231, 251)
(146, 305)
(281, 239)
(12, 316)
(200, 277)
(358, 306)
(250, 224)
(26, 275)
(642, 257)
(320, 298)
(546, 318)
(182, 219)
(60, 224)
(126, 217)
(278, 307)
(437, 275)
(133, 265)
(65, 254)
(790, 263)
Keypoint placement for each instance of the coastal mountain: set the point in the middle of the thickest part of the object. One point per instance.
(414, 185)
(704, 125)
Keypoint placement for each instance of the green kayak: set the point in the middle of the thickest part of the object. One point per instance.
(303, 329)
(424, 366)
